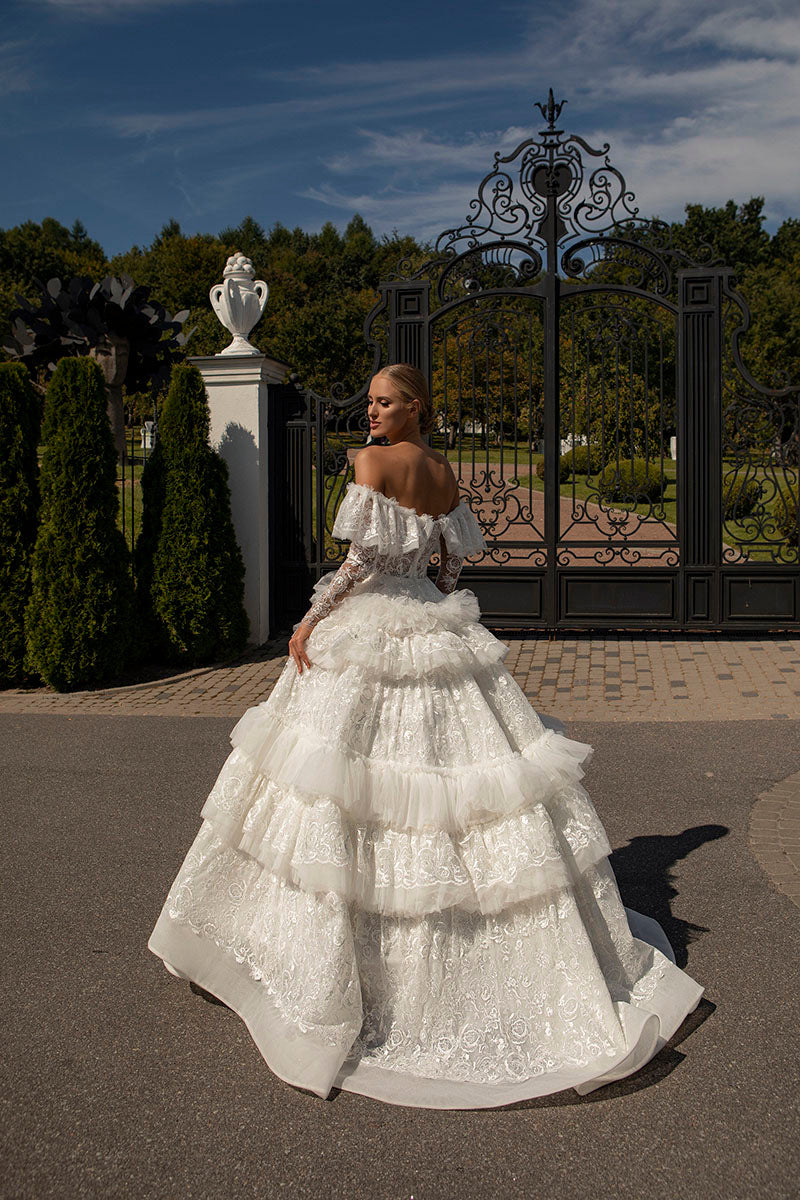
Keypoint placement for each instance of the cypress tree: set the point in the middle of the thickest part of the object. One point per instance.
(78, 622)
(197, 577)
(20, 420)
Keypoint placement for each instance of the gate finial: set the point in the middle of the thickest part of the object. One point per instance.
(551, 111)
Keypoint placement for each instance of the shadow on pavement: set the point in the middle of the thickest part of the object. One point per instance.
(646, 884)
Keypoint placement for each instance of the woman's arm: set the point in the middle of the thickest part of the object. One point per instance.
(449, 568)
(357, 565)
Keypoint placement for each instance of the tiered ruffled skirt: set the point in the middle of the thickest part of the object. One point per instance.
(400, 884)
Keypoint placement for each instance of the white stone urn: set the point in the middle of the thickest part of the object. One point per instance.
(239, 302)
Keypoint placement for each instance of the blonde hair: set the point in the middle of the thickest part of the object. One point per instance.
(412, 385)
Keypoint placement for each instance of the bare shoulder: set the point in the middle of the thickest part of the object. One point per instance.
(370, 466)
(440, 458)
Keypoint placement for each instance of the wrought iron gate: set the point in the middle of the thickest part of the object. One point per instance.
(590, 393)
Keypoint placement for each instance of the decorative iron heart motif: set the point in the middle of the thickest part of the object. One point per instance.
(552, 180)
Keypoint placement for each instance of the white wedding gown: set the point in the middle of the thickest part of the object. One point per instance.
(400, 884)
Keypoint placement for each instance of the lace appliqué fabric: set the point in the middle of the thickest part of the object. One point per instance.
(388, 539)
(359, 565)
(399, 855)
(449, 570)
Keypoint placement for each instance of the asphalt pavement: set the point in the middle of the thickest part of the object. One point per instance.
(121, 1081)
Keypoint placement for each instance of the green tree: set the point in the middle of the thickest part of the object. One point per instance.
(187, 551)
(180, 271)
(488, 371)
(30, 252)
(735, 232)
(20, 420)
(78, 622)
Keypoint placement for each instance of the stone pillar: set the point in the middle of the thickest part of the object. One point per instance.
(237, 398)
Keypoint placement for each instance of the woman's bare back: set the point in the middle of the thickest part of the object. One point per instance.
(416, 476)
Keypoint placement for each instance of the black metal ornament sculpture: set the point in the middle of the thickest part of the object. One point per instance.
(114, 321)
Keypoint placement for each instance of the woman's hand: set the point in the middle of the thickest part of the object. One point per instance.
(297, 645)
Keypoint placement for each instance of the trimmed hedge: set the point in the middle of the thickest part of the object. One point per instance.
(741, 499)
(20, 421)
(579, 461)
(787, 518)
(635, 481)
(190, 572)
(153, 485)
(78, 622)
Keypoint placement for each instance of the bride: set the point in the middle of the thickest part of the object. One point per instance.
(399, 883)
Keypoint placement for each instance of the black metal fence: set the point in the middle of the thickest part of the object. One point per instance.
(590, 393)
(139, 443)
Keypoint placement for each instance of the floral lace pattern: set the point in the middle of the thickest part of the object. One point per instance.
(449, 568)
(359, 565)
(400, 858)
(450, 994)
(314, 843)
(389, 539)
(297, 946)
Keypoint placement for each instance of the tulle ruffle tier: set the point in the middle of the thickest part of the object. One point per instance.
(400, 883)
(323, 820)
(401, 795)
(450, 1009)
(373, 519)
(390, 634)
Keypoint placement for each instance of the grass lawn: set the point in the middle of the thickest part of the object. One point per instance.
(130, 495)
(581, 488)
(734, 534)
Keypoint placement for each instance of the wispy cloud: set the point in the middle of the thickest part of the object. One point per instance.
(421, 150)
(16, 72)
(778, 35)
(424, 212)
(695, 111)
(698, 102)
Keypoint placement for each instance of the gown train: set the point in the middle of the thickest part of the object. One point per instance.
(399, 883)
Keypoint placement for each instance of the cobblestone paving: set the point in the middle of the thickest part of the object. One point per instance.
(775, 835)
(612, 677)
(649, 677)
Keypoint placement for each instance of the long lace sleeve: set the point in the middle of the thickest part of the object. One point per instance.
(449, 568)
(357, 566)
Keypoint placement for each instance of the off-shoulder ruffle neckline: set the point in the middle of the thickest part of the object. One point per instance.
(404, 507)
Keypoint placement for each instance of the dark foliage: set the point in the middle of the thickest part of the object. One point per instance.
(578, 462)
(191, 581)
(741, 499)
(20, 419)
(787, 518)
(78, 622)
(73, 319)
(634, 481)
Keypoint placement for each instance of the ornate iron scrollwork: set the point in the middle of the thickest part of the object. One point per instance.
(760, 456)
(512, 200)
(492, 265)
(557, 323)
(648, 270)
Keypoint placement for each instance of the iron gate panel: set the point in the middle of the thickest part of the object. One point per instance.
(589, 390)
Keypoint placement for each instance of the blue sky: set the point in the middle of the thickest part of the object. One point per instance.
(125, 113)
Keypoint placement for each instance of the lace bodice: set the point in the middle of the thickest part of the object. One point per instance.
(388, 538)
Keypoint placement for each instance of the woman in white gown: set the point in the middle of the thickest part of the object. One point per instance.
(399, 883)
